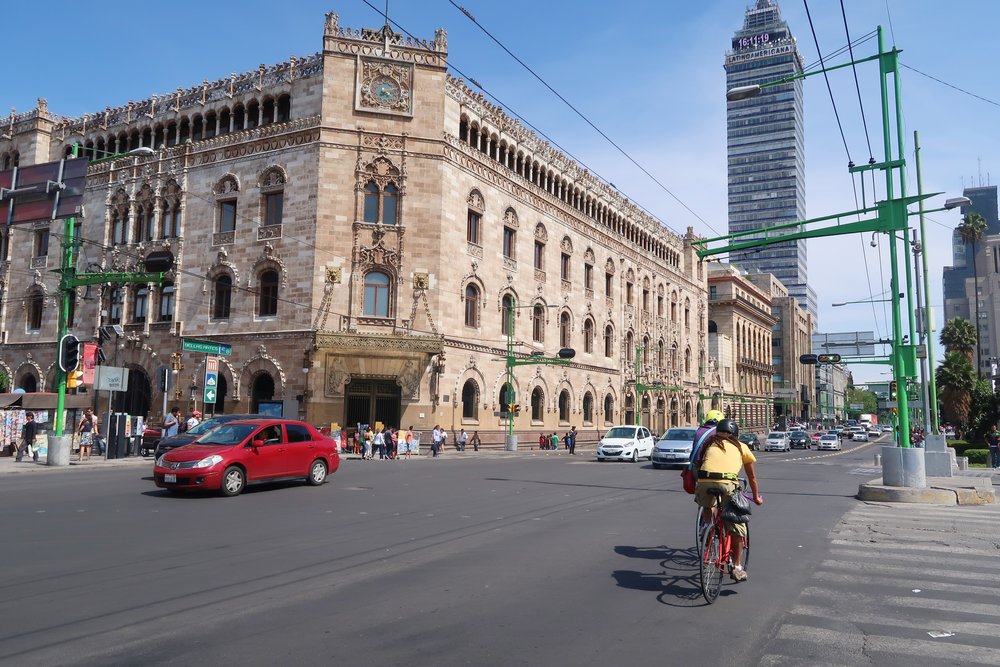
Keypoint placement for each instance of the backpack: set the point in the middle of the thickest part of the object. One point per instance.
(689, 476)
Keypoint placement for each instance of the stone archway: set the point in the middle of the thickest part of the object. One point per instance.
(261, 389)
(139, 398)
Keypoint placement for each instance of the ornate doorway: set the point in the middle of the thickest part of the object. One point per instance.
(139, 397)
(370, 400)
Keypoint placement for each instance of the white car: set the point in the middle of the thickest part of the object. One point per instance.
(777, 441)
(626, 443)
(860, 436)
(829, 441)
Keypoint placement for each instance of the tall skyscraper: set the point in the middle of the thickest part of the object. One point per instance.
(765, 143)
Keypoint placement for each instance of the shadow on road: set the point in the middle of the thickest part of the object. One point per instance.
(590, 486)
(677, 584)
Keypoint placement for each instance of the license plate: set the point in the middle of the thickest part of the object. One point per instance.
(170, 479)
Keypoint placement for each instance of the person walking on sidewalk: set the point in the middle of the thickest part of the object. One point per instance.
(409, 441)
(993, 442)
(172, 422)
(435, 440)
(554, 441)
(28, 433)
(475, 441)
(463, 438)
(570, 441)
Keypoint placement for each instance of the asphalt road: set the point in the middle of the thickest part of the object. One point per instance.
(472, 559)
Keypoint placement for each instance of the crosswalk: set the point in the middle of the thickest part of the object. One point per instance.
(901, 585)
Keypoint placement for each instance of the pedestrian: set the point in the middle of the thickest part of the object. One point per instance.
(394, 443)
(543, 441)
(367, 443)
(443, 441)
(435, 440)
(343, 439)
(87, 428)
(554, 440)
(463, 438)
(475, 441)
(28, 433)
(379, 441)
(409, 441)
(568, 440)
(193, 420)
(172, 422)
(993, 442)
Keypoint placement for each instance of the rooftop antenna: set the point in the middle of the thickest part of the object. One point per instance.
(385, 32)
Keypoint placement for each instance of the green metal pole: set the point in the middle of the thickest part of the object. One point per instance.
(66, 272)
(897, 325)
(638, 391)
(931, 393)
(510, 372)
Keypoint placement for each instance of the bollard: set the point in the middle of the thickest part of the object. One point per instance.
(878, 459)
(963, 462)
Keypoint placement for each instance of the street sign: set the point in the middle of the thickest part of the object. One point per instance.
(888, 404)
(857, 406)
(110, 378)
(211, 379)
(208, 347)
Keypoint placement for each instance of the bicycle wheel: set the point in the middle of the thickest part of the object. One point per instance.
(710, 566)
(746, 549)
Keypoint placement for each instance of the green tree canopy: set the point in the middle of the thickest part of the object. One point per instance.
(955, 381)
(865, 398)
(958, 335)
(972, 228)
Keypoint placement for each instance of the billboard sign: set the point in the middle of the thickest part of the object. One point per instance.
(44, 191)
(847, 344)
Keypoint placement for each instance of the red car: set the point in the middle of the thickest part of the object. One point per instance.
(246, 451)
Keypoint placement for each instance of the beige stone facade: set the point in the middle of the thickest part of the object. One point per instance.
(740, 329)
(357, 225)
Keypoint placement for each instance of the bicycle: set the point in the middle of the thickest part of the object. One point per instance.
(715, 550)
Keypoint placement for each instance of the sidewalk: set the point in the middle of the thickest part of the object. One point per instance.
(968, 487)
(9, 465)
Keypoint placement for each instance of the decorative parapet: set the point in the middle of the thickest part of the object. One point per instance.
(381, 42)
(262, 78)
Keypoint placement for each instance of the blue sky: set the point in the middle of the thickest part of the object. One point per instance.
(647, 73)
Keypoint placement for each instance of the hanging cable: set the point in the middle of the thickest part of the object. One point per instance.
(857, 85)
(826, 77)
(579, 113)
(952, 86)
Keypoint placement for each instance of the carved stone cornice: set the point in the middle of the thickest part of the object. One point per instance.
(374, 341)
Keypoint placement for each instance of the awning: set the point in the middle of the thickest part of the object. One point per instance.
(47, 401)
(7, 400)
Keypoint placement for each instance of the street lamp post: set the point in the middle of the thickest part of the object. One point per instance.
(511, 360)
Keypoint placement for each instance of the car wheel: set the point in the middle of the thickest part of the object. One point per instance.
(317, 473)
(233, 481)
(635, 455)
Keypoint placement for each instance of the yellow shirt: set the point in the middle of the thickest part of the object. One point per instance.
(728, 461)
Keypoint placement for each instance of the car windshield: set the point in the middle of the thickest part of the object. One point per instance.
(775, 436)
(680, 434)
(228, 434)
(829, 437)
(204, 427)
(622, 432)
(798, 434)
(746, 436)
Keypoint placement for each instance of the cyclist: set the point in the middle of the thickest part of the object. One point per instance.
(711, 420)
(718, 479)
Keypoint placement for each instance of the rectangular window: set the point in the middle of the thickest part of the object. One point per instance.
(539, 255)
(472, 231)
(645, 299)
(608, 279)
(564, 266)
(115, 311)
(273, 205)
(713, 292)
(588, 276)
(227, 216)
(628, 293)
(4, 245)
(509, 236)
(41, 243)
(141, 303)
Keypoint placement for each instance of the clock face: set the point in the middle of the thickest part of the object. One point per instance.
(386, 90)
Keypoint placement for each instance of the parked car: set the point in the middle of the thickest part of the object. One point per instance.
(829, 441)
(750, 439)
(242, 452)
(181, 439)
(799, 439)
(777, 441)
(860, 435)
(674, 448)
(626, 443)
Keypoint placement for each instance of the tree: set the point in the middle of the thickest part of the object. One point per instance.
(955, 381)
(971, 230)
(983, 410)
(958, 335)
(865, 398)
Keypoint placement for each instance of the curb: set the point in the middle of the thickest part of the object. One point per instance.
(932, 495)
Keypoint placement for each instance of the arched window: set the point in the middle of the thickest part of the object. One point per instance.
(223, 294)
(472, 306)
(507, 314)
(170, 220)
(629, 346)
(119, 226)
(538, 324)
(470, 400)
(588, 408)
(609, 409)
(284, 108)
(390, 202)
(588, 336)
(371, 202)
(564, 330)
(116, 302)
(563, 406)
(537, 404)
(609, 341)
(687, 313)
(167, 302)
(140, 304)
(687, 360)
(376, 299)
(36, 305)
(659, 355)
(267, 303)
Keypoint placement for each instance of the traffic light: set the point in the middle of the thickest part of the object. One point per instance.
(828, 358)
(74, 379)
(69, 353)
(514, 407)
(892, 391)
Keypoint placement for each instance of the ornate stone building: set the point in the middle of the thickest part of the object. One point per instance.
(359, 226)
(741, 321)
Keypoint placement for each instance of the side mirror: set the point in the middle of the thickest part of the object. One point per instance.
(257, 443)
